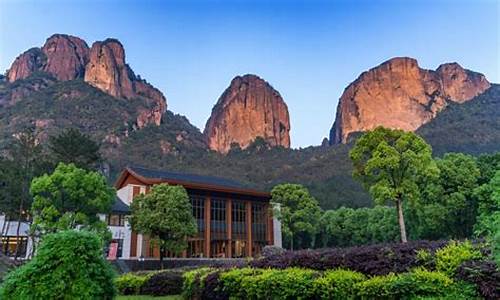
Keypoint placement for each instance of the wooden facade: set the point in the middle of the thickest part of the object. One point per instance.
(232, 221)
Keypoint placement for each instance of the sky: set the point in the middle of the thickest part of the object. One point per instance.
(307, 50)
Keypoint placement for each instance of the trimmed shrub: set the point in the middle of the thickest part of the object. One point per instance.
(212, 288)
(377, 287)
(370, 260)
(485, 275)
(293, 283)
(130, 283)
(68, 265)
(337, 284)
(194, 280)
(271, 250)
(450, 257)
(163, 283)
(419, 283)
(232, 280)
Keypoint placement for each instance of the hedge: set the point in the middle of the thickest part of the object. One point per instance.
(295, 283)
(379, 259)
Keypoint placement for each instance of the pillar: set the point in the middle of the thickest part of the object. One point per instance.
(207, 226)
(248, 207)
(229, 228)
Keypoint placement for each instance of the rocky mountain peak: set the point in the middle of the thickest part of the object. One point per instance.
(25, 64)
(249, 108)
(103, 66)
(66, 56)
(400, 94)
(63, 56)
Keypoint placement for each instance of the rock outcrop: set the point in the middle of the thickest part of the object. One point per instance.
(66, 56)
(62, 56)
(103, 66)
(26, 64)
(107, 70)
(249, 108)
(399, 94)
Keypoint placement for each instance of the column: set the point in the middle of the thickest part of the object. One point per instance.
(269, 224)
(229, 228)
(248, 207)
(207, 226)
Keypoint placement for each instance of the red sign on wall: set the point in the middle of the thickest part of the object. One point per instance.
(113, 249)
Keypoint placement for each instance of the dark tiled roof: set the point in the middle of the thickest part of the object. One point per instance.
(120, 207)
(188, 178)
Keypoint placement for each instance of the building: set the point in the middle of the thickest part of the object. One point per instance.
(233, 221)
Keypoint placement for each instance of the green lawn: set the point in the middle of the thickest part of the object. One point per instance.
(174, 297)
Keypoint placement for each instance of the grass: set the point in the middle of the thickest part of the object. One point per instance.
(172, 297)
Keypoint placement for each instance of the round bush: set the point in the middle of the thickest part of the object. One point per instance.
(337, 284)
(68, 265)
(130, 283)
(163, 283)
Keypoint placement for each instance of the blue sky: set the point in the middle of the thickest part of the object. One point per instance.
(308, 50)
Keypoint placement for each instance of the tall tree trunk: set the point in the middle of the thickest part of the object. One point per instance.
(291, 242)
(401, 220)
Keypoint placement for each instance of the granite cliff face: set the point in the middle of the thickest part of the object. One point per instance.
(62, 56)
(108, 71)
(249, 108)
(399, 94)
(66, 56)
(103, 66)
(26, 64)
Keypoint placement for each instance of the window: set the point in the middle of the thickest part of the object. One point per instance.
(218, 226)
(115, 220)
(239, 226)
(13, 244)
(259, 227)
(218, 219)
(198, 205)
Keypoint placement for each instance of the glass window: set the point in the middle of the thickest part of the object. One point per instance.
(115, 220)
(259, 227)
(239, 227)
(198, 206)
(218, 219)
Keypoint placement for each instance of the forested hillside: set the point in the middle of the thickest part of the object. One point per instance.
(50, 106)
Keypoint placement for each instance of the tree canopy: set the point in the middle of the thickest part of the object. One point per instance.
(389, 163)
(68, 198)
(68, 265)
(298, 212)
(72, 146)
(165, 215)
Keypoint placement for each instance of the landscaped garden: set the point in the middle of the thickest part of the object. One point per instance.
(416, 270)
(453, 200)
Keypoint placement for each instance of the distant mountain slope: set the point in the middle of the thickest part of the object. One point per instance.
(472, 127)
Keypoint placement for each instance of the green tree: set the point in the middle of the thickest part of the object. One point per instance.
(351, 227)
(70, 198)
(389, 163)
(298, 212)
(165, 215)
(458, 178)
(72, 146)
(24, 159)
(68, 265)
(488, 195)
